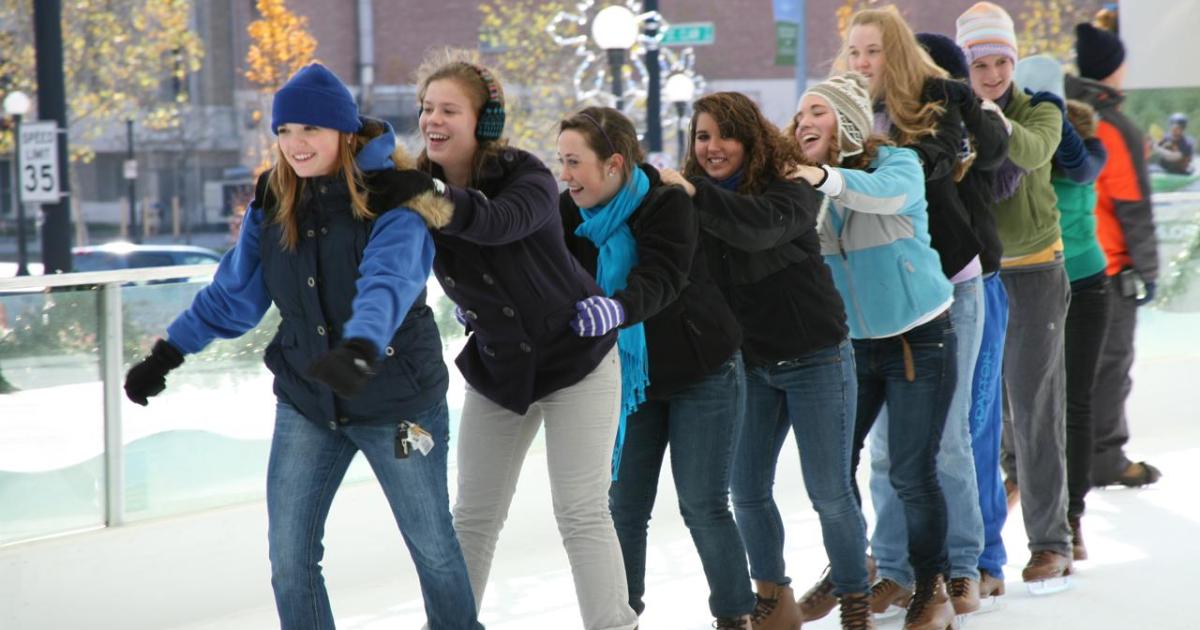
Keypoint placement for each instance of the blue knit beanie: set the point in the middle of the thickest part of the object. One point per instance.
(315, 96)
(945, 53)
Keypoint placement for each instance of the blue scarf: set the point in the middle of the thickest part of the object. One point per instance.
(606, 227)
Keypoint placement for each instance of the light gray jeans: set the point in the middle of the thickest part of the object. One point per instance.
(581, 427)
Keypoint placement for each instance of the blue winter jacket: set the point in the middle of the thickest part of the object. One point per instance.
(346, 278)
(875, 238)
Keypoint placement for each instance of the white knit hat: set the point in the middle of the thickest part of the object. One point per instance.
(850, 99)
(986, 29)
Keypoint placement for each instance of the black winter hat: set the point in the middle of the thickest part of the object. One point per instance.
(1098, 53)
(945, 53)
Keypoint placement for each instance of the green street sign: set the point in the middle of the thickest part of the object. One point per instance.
(786, 36)
(690, 34)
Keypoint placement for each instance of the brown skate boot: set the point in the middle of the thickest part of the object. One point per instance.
(776, 608)
(819, 600)
(989, 585)
(856, 612)
(1078, 548)
(930, 607)
(964, 595)
(889, 597)
(733, 623)
(1047, 572)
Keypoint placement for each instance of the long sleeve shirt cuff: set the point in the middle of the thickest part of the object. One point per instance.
(834, 183)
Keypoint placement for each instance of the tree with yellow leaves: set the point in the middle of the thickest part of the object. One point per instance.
(535, 70)
(280, 44)
(1048, 28)
(120, 59)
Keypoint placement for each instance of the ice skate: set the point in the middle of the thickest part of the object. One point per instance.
(1047, 572)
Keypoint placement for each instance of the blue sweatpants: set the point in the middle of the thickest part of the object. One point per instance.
(986, 410)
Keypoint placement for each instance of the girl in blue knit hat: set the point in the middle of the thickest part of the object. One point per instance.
(541, 345)
(336, 239)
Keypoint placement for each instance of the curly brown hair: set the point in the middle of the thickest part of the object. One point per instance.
(768, 155)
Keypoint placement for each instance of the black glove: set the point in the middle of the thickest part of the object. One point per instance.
(959, 93)
(149, 377)
(346, 368)
(1046, 97)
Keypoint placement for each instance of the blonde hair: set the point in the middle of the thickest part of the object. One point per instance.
(462, 66)
(287, 187)
(908, 68)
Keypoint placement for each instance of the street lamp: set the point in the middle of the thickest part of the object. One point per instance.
(680, 90)
(16, 104)
(615, 29)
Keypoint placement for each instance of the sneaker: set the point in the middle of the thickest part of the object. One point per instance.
(964, 595)
(1138, 474)
(819, 600)
(1012, 494)
(930, 607)
(733, 623)
(776, 608)
(856, 612)
(1078, 548)
(888, 593)
(1047, 572)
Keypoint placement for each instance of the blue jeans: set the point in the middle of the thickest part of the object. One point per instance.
(306, 467)
(986, 423)
(917, 391)
(955, 464)
(814, 395)
(700, 424)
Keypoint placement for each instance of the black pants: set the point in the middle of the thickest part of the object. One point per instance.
(1086, 328)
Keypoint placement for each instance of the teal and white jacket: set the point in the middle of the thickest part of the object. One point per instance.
(874, 230)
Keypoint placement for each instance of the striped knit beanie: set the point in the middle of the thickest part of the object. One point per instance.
(986, 29)
(848, 95)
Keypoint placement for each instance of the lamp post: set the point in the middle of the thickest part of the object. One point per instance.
(680, 90)
(615, 29)
(16, 104)
(131, 176)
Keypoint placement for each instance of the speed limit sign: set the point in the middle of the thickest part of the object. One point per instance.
(39, 162)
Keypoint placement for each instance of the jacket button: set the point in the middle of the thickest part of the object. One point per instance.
(448, 281)
(332, 425)
(312, 282)
(471, 315)
(389, 351)
(321, 330)
(324, 231)
(310, 233)
(324, 189)
(526, 348)
(508, 312)
(343, 420)
(488, 351)
(488, 279)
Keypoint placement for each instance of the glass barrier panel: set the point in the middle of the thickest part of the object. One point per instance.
(51, 413)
